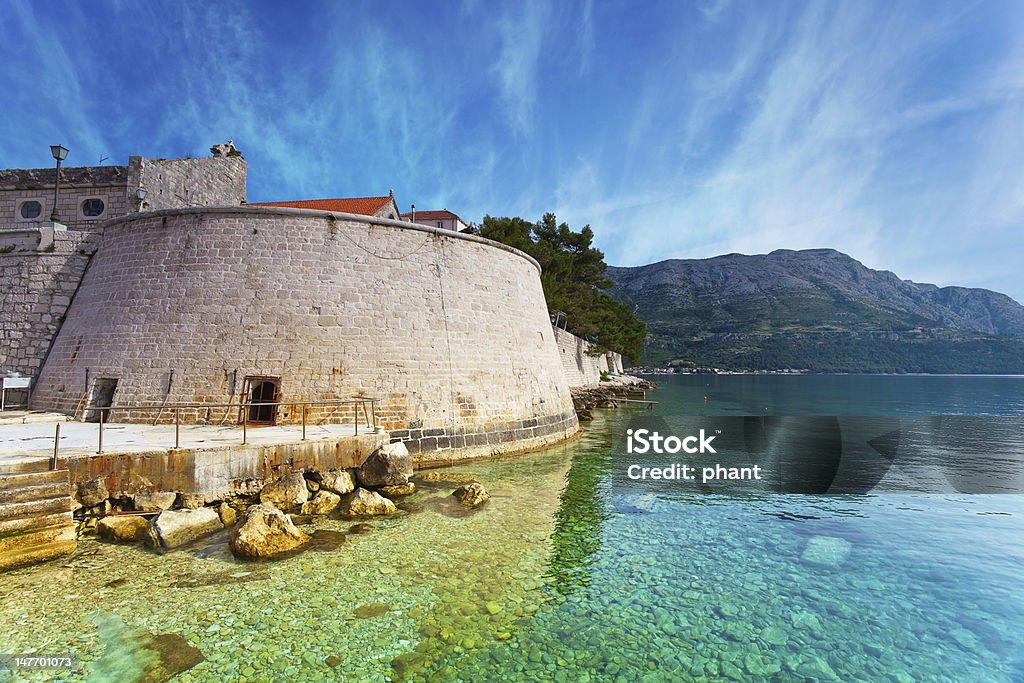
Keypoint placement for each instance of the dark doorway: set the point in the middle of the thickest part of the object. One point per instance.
(263, 390)
(102, 396)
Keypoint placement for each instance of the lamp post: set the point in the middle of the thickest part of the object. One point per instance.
(141, 195)
(60, 153)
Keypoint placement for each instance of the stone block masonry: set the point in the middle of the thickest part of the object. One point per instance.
(169, 183)
(34, 299)
(582, 367)
(197, 305)
(106, 183)
(174, 183)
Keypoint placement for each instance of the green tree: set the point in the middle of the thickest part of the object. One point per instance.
(573, 277)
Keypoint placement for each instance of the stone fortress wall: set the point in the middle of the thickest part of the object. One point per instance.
(580, 363)
(37, 287)
(449, 331)
(41, 267)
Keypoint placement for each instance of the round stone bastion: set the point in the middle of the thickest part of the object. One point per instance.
(449, 332)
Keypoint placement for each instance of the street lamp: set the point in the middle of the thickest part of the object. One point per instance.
(141, 195)
(60, 153)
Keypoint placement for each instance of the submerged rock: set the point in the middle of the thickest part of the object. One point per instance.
(472, 495)
(363, 503)
(156, 500)
(826, 551)
(398, 491)
(375, 609)
(337, 481)
(265, 531)
(131, 654)
(286, 493)
(124, 528)
(326, 540)
(92, 492)
(173, 528)
(390, 465)
(323, 503)
(448, 477)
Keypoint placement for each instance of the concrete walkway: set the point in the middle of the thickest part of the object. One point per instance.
(29, 435)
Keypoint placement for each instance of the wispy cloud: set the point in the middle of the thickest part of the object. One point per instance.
(891, 132)
(521, 33)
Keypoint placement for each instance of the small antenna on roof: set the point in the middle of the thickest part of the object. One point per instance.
(102, 159)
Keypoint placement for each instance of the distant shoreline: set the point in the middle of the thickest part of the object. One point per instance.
(794, 373)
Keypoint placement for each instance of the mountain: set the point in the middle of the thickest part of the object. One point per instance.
(817, 309)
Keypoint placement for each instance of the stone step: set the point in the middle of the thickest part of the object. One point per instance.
(36, 536)
(22, 494)
(29, 508)
(24, 466)
(21, 557)
(35, 516)
(31, 478)
(33, 520)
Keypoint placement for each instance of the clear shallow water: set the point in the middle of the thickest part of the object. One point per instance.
(561, 577)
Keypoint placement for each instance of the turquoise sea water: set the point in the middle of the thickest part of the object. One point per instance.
(565, 577)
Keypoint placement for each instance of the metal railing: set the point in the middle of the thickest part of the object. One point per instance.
(358, 404)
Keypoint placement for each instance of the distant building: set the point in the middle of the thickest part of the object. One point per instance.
(378, 207)
(442, 220)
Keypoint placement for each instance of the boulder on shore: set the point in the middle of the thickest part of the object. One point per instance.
(336, 481)
(286, 493)
(363, 503)
(472, 495)
(228, 514)
(92, 492)
(124, 528)
(191, 500)
(265, 531)
(173, 528)
(156, 500)
(389, 465)
(323, 503)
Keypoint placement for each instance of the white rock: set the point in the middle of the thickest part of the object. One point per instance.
(286, 493)
(125, 528)
(363, 503)
(389, 465)
(265, 531)
(323, 503)
(173, 528)
(338, 481)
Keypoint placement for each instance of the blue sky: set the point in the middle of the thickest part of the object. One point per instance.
(891, 131)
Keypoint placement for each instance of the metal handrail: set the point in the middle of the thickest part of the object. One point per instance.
(356, 402)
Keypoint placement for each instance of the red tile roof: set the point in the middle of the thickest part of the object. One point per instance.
(433, 215)
(366, 206)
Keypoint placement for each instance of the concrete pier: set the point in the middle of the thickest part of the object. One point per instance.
(211, 460)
